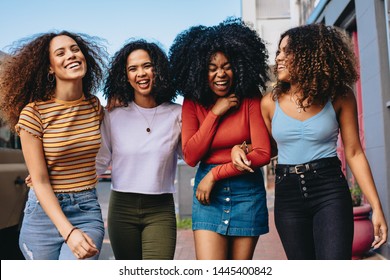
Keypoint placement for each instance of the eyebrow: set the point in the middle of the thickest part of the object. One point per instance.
(135, 65)
(224, 64)
(62, 48)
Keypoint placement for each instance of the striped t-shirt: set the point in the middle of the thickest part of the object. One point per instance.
(70, 134)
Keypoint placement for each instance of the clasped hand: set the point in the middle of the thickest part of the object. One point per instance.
(204, 189)
(81, 245)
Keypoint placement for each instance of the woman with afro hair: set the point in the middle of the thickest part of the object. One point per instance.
(220, 71)
(46, 89)
(141, 141)
(311, 102)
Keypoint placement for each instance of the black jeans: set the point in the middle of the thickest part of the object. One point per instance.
(313, 213)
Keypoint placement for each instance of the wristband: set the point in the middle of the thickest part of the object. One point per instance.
(72, 230)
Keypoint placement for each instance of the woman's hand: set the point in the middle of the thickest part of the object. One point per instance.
(240, 160)
(380, 229)
(81, 245)
(204, 189)
(223, 104)
(28, 180)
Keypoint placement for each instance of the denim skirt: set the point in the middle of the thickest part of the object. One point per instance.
(238, 205)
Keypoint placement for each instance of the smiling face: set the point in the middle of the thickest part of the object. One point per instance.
(140, 72)
(281, 61)
(220, 74)
(67, 62)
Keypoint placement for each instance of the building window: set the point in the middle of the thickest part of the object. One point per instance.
(273, 9)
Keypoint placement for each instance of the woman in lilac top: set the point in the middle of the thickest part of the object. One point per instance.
(141, 141)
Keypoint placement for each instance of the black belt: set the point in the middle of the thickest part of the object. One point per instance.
(309, 166)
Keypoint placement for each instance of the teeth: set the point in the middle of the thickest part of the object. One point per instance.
(142, 82)
(221, 83)
(72, 65)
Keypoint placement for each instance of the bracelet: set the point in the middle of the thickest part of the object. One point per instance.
(72, 230)
(244, 147)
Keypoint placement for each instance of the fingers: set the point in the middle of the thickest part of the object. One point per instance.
(28, 180)
(83, 246)
(380, 237)
(89, 240)
(241, 162)
(233, 100)
(203, 197)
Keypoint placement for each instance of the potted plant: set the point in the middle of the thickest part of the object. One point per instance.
(363, 229)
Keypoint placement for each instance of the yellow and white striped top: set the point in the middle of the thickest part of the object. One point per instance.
(70, 134)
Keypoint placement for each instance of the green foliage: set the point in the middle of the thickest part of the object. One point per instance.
(356, 192)
(184, 223)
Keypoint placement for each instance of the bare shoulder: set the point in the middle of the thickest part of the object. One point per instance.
(267, 102)
(347, 100)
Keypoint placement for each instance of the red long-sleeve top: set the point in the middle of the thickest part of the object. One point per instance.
(209, 138)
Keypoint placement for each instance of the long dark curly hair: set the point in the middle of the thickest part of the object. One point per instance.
(321, 62)
(117, 85)
(192, 49)
(24, 74)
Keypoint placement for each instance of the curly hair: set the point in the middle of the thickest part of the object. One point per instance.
(24, 75)
(117, 85)
(193, 48)
(321, 62)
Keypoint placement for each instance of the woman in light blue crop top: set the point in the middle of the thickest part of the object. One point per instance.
(311, 102)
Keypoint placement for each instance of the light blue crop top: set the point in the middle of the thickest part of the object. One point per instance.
(303, 141)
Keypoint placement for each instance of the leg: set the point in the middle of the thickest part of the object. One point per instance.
(333, 231)
(124, 228)
(159, 234)
(83, 211)
(242, 247)
(296, 235)
(39, 239)
(292, 218)
(210, 245)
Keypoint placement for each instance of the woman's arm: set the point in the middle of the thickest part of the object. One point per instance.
(77, 240)
(357, 161)
(196, 137)
(260, 151)
(104, 156)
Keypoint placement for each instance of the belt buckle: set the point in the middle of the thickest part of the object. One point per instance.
(297, 168)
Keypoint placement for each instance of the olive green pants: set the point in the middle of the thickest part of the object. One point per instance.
(142, 226)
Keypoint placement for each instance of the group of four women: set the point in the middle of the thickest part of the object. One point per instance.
(225, 127)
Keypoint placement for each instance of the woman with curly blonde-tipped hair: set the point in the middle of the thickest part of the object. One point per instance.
(46, 93)
(310, 105)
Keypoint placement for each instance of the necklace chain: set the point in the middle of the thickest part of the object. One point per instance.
(148, 129)
(294, 99)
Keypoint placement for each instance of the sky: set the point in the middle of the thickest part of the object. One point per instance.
(113, 20)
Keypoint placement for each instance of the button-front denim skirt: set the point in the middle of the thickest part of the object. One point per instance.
(238, 205)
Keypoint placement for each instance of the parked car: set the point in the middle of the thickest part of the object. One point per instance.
(106, 176)
(13, 195)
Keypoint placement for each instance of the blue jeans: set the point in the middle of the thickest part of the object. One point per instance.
(313, 213)
(40, 239)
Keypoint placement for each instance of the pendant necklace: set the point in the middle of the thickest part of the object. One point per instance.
(295, 101)
(148, 128)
